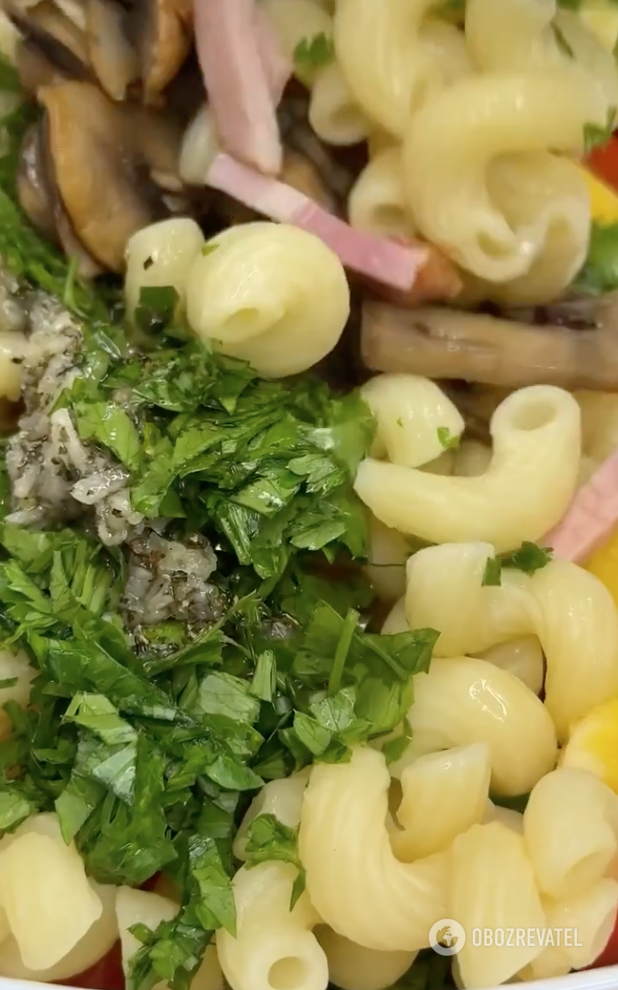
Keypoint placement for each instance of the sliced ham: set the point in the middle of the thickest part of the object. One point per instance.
(591, 518)
(277, 66)
(401, 267)
(232, 55)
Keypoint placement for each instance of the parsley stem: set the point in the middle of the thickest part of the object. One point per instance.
(343, 648)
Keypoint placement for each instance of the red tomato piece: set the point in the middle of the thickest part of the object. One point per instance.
(152, 883)
(106, 974)
(603, 162)
(609, 956)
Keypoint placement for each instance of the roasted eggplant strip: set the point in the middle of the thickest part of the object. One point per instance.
(450, 344)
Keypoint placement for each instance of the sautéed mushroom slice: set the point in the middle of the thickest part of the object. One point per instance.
(451, 344)
(93, 145)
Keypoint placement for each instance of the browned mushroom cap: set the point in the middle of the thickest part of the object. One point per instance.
(32, 188)
(444, 343)
(58, 39)
(103, 155)
(34, 68)
(113, 58)
(165, 36)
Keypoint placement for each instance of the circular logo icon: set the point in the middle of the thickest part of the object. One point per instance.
(447, 937)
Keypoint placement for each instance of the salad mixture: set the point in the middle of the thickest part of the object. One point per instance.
(308, 492)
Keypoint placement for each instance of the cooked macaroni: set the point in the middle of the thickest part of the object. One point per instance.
(536, 434)
(354, 879)
(269, 294)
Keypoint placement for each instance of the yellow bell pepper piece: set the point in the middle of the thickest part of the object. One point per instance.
(603, 199)
(604, 565)
(601, 16)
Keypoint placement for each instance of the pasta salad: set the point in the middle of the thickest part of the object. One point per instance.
(308, 493)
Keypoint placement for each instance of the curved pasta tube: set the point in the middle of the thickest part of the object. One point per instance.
(281, 798)
(334, 114)
(295, 21)
(546, 195)
(517, 35)
(269, 294)
(92, 947)
(377, 201)
(523, 35)
(493, 886)
(161, 255)
(505, 816)
(386, 568)
(472, 459)
(591, 915)
(526, 489)
(389, 68)
(143, 907)
(354, 967)
(571, 831)
(522, 657)
(570, 611)
(354, 880)
(443, 795)
(446, 44)
(464, 700)
(396, 621)
(454, 142)
(37, 868)
(274, 946)
(410, 412)
(200, 145)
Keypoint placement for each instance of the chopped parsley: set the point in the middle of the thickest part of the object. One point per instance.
(596, 136)
(149, 746)
(314, 52)
(529, 558)
(450, 441)
(156, 307)
(600, 271)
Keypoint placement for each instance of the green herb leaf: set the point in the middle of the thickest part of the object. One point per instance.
(529, 558)
(268, 839)
(311, 734)
(450, 441)
(596, 136)
(110, 425)
(600, 272)
(314, 52)
(492, 575)
(264, 681)
(14, 808)
(223, 694)
(156, 307)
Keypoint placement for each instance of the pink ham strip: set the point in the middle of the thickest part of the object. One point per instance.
(591, 518)
(376, 258)
(237, 81)
(277, 67)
